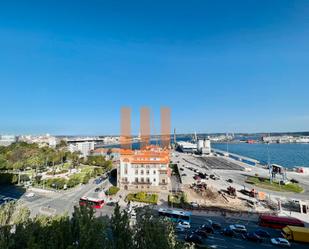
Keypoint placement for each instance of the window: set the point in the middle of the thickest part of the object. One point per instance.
(154, 172)
(163, 181)
(142, 179)
(136, 172)
(154, 179)
(147, 180)
(142, 172)
(147, 172)
(136, 179)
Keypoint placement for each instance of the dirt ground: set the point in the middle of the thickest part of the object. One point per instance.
(211, 198)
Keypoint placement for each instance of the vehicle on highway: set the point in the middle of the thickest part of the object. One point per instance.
(252, 237)
(280, 242)
(183, 174)
(279, 222)
(175, 215)
(228, 232)
(237, 228)
(183, 224)
(193, 238)
(262, 233)
(201, 233)
(29, 194)
(207, 228)
(300, 234)
(92, 202)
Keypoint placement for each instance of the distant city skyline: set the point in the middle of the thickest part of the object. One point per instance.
(227, 66)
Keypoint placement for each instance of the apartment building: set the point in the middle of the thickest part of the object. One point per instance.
(144, 170)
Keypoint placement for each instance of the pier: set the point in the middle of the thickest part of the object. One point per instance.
(247, 160)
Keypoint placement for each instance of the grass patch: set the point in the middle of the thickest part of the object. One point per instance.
(143, 197)
(112, 190)
(177, 200)
(275, 186)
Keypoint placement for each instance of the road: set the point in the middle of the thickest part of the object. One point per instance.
(218, 240)
(53, 202)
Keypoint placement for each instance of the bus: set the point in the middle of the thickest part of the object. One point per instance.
(92, 202)
(175, 215)
(279, 222)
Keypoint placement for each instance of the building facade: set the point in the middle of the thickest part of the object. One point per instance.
(144, 170)
(84, 148)
(6, 140)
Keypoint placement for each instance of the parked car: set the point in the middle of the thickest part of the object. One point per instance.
(193, 238)
(181, 169)
(194, 204)
(183, 224)
(252, 237)
(228, 232)
(201, 233)
(207, 228)
(294, 180)
(197, 178)
(229, 180)
(97, 190)
(183, 174)
(216, 226)
(262, 233)
(238, 228)
(280, 242)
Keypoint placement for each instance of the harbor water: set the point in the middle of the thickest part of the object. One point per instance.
(287, 155)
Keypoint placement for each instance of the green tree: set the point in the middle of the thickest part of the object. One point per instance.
(122, 235)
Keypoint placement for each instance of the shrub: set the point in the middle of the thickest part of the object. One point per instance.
(143, 197)
(57, 183)
(112, 190)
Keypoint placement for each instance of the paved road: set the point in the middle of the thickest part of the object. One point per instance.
(60, 202)
(220, 241)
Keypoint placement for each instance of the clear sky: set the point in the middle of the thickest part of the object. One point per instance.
(67, 67)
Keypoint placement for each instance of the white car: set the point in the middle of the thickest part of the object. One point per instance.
(194, 204)
(238, 228)
(183, 225)
(30, 194)
(280, 242)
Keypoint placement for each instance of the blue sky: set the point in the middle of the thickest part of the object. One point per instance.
(67, 67)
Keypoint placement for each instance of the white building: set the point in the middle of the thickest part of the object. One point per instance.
(6, 140)
(144, 170)
(42, 140)
(186, 146)
(84, 147)
(203, 146)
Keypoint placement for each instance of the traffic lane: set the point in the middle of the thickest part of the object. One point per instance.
(217, 240)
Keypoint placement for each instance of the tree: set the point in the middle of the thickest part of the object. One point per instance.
(152, 232)
(122, 235)
(3, 162)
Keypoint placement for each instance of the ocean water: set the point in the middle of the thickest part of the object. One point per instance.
(288, 155)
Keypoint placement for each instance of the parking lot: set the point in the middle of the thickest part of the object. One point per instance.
(217, 240)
